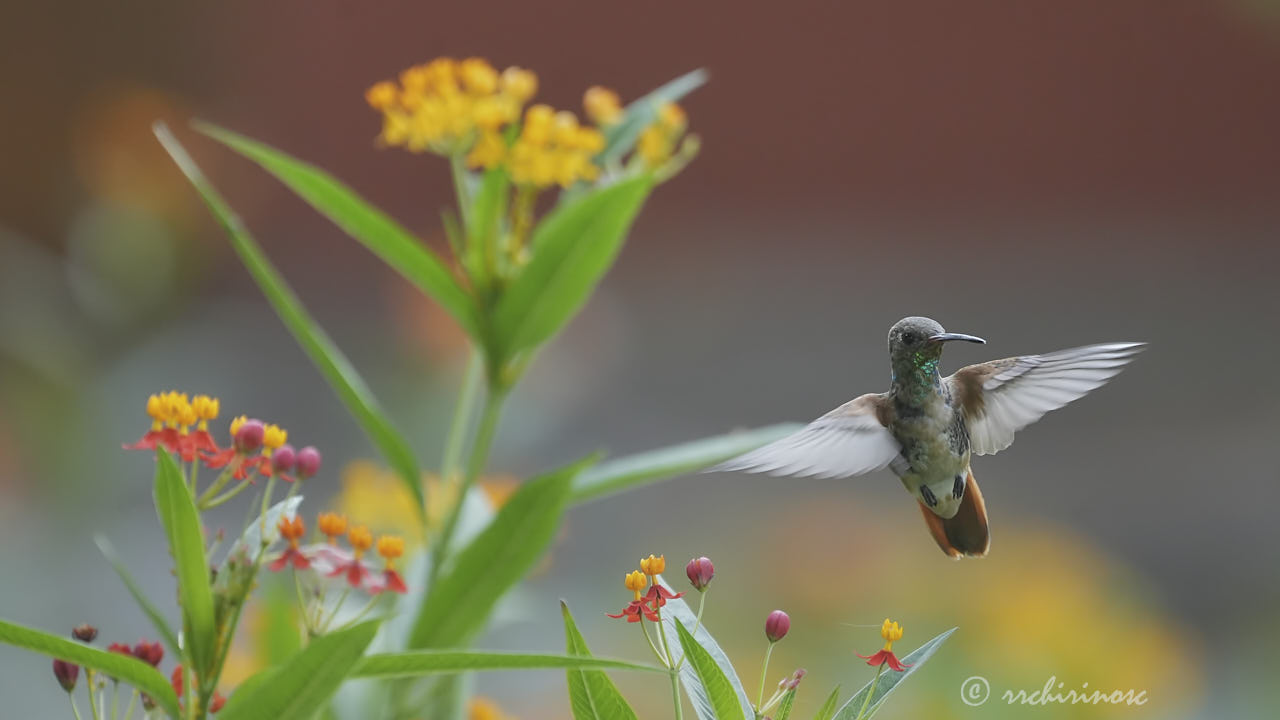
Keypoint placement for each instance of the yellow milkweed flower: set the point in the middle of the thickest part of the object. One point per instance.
(658, 141)
(441, 106)
(553, 148)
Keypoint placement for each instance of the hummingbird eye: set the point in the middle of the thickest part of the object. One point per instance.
(909, 337)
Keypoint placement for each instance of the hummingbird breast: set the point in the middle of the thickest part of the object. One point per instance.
(935, 451)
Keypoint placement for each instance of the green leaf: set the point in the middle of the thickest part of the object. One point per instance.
(634, 470)
(457, 607)
(890, 679)
(299, 688)
(784, 705)
(126, 668)
(572, 248)
(592, 695)
(153, 614)
(181, 521)
(678, 609)
(829, 707)
(326, 356)
(719, 694)
(432, 662)
(373, 228)
(620, 138)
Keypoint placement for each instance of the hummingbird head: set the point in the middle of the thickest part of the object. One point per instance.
(916, 341)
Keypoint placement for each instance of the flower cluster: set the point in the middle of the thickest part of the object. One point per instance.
(331, 560)
(180, 425)
(467, 109)
(150, 652)
(441, 106)
(646, 606)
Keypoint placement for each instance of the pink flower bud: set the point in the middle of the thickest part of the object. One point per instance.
(795, 679)
(84, 633)
(152, 652)
(66, 673)
(776, 626)
(249, 437)
(308, 461)
(700, 571)
(283, 459)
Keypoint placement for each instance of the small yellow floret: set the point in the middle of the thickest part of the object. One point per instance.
(635, 581)
(891, 632)
(602, 105)
(390, 547)
(332, 525)
(236, 424)
(273, 436)
(653, 565)
(360, 538)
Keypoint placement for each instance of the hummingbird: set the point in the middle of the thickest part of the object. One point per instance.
(926, 427)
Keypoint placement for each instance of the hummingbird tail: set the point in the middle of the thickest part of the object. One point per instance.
(966, 533)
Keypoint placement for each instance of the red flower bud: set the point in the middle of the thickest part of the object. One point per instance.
(120, 648)
(700, 571)
(84, 633)
(308, 461)
(776, 626)
(249, 437)
(147, 652)
(283, 459)
(66, 673)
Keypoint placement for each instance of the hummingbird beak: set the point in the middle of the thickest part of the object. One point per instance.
(948, 336)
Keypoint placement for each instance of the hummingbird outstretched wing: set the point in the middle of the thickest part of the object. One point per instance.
(849, 440)
(1003, 396)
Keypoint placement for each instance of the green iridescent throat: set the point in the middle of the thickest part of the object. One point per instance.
(920, 378)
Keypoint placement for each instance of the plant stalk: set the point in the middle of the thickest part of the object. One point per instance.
(764, 672)
(871, 691)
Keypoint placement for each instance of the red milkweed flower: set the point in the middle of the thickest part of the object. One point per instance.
(890, 631)
(353, 567)
(390, 548)
(291, 530)
(657, 595)
(639, 607)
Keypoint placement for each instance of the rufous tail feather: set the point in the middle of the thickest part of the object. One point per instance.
(965, 534)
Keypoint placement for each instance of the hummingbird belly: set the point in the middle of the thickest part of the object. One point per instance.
(934, 462)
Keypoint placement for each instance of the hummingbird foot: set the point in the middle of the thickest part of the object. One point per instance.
(957, 490)
(927, 495)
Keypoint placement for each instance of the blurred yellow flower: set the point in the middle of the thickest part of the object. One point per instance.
(439, 106)
(657, 142)
(482, 708)
(553, 148)
(653, 565)
(602, 105)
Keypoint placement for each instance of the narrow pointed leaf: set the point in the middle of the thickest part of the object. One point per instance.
(148, 608)
(678, 609)
(328, 359)
(300, 687)
(717, 692)
(643, 468)
(890, 679)
(573, 247)
(592, 695)
(829, 707)
(639, 114)
(126, 668)
(181, 521)
(373, 228)
(502, 554)
(432, 662)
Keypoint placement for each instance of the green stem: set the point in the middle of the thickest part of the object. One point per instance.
(133, 702)
(462, 413)
(224, 497)
(266, 505)
(75, 710)
(871, 691)
(764, 671)
(195, 468)
(675, 693)
(702, 603)
(479, 457)
(115, 699)
(91, 684)
(218, 484)
(458, 164)
(649, 640)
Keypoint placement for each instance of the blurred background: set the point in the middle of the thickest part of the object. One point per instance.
(1042, 174)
